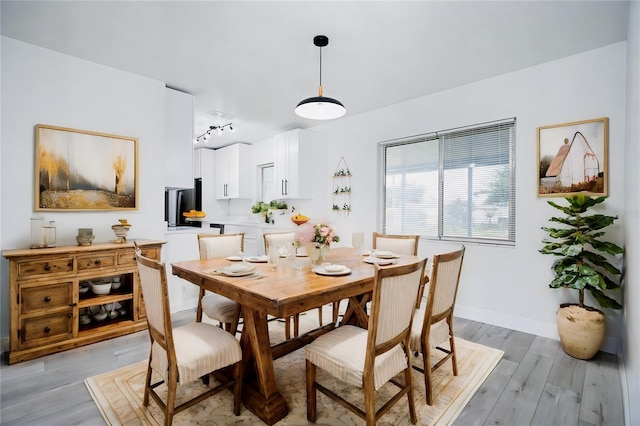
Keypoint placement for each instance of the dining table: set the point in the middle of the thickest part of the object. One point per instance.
(281, 293)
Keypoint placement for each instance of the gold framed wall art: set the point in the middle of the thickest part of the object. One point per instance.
(79, 170)
(572, 158)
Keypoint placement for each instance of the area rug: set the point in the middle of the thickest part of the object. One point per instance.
(118, 394)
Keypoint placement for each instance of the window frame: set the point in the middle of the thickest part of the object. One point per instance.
(439, 137)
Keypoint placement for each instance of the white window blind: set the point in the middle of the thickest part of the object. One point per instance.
(457, 184)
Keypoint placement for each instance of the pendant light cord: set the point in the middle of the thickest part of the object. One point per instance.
(320, 88)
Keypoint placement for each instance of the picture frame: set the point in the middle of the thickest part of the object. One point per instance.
(572, 158)
(80, 170)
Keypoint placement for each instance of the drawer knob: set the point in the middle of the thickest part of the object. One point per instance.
(97, 261)
(47, 329)
(47, 299)
(47, 267)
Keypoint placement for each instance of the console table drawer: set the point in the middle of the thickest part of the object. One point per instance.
(46, 328)
(45, 297)
(57, 265)
(87, 263)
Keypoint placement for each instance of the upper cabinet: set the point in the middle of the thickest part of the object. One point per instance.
(234, 172)
(178, 150)
(293, 163)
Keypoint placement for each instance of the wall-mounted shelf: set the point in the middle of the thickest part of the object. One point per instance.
(342, 188)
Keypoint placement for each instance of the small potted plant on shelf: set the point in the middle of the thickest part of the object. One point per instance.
(581, 266)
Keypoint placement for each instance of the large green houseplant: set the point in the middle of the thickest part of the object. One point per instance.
(582, 266)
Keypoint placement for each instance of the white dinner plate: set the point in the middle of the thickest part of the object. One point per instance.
(385, 255)
(378, 261)
(257, 259)
(321, 271)
(234, 258)
(232, 271)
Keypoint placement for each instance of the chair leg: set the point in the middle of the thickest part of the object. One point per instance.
(199, 308)
(287, 328)
(172, 385)
(147, 386)
(369, 400)
(452, 346)
(426, 355)
(409, 386)
(296, 325)
(233, 328)
(237, 387)
(311, 391)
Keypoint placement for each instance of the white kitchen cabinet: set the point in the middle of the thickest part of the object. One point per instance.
(178, 151)
(293, 164)
(234, 172)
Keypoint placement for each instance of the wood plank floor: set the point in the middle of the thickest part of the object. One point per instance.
(535, 383)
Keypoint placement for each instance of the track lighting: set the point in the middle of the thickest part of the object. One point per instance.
(218, 129)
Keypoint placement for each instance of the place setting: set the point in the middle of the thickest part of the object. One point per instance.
(331, 269)
(380, 257)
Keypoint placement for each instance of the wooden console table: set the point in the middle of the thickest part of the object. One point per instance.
(45, 301)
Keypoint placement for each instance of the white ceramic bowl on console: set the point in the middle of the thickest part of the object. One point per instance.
(101, 288)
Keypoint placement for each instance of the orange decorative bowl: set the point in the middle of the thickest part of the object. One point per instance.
(299, 221)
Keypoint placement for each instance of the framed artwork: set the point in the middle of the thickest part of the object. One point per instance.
(572, 158)
(78, 170)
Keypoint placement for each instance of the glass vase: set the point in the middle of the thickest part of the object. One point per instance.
(317, 253)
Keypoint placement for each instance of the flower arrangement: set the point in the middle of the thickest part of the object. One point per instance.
(321, 233)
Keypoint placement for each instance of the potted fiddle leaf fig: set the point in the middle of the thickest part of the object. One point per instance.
(582, 266)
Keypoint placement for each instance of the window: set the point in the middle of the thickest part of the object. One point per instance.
(267, 182)
(456, 184)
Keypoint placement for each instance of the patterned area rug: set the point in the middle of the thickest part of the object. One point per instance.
(118, 394)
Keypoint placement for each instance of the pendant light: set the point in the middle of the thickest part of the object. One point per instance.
(320, 107)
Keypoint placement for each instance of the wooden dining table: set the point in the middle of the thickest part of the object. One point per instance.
(281, 293)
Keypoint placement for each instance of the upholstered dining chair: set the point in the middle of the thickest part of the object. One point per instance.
(369, 358)
(398, 244)
(182, 354)
(217, 307)
(433, 326)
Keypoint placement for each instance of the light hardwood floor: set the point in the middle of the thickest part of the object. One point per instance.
(535, 383)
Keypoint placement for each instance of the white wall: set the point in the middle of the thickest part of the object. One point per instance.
(40, 86)
(631, 330)
(506, 286)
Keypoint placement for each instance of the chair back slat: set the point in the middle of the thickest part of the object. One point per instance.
(220, 245)
(156, 297)
(277, 239)
(396, 304)
(398, 244)
(444, 282)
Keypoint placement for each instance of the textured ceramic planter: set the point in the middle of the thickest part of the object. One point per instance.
(581, 330)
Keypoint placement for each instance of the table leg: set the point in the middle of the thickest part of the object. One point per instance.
(262, 396)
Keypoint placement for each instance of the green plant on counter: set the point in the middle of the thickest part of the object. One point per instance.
(260, 207)
(278, 205)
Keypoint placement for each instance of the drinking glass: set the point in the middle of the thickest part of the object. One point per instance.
(357, 240)
(273, 258)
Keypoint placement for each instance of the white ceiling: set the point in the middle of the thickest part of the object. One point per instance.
(254, 61)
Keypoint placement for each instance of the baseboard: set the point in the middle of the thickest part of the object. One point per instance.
(538, 328)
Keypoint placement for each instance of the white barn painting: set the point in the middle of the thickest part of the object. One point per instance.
(572, 158)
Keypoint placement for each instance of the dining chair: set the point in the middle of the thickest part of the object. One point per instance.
(182, 354)
(369, 358)
(433, 325)
(398, 244)
(278, 239)
(217, 307)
